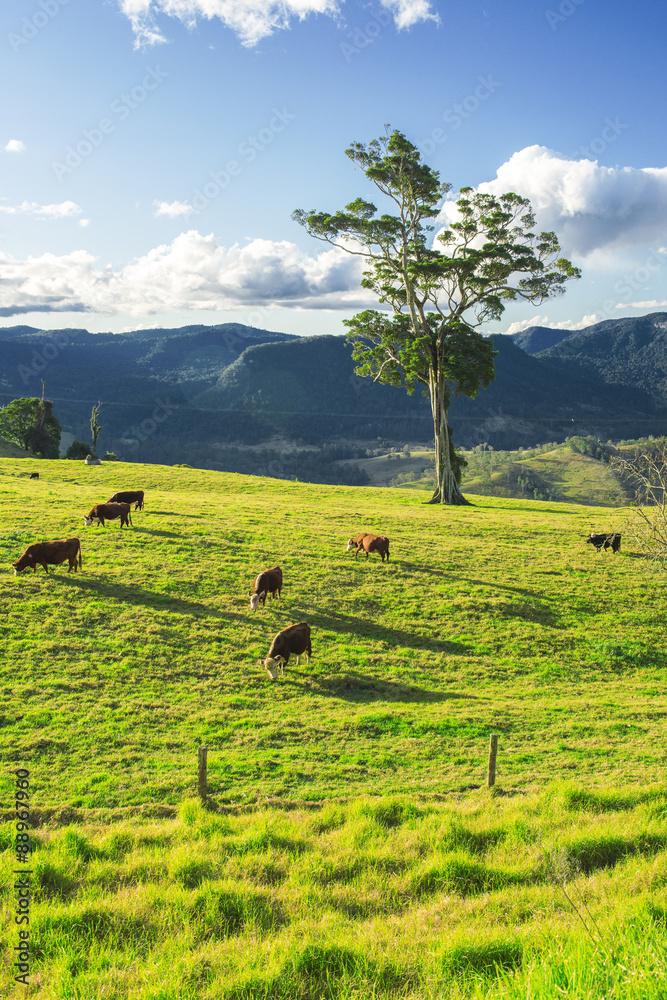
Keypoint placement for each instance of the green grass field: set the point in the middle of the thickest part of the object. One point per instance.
(326, 868)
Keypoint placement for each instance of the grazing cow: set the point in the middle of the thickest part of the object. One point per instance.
(50, 554)
(605, 541)
(270, 581)
(293, 639)
(135, 497)
(102, 512)
(34, 475)
(369, 543)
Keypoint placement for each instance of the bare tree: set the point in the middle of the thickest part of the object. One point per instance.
(646, 473)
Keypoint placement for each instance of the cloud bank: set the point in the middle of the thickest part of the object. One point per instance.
(589, 207)
(192, 272)
(253, 20)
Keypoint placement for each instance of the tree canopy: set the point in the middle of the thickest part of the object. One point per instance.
(436, 292)
(30, 424)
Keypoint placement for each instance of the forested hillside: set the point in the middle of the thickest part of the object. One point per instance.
(237, 398)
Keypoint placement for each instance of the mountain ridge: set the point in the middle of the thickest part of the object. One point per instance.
(193, 393)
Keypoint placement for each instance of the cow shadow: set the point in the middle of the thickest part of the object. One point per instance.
(132, 594)
(355, 625)
(354, 687)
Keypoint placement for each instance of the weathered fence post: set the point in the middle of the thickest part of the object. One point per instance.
(201, 772)
(493, 750)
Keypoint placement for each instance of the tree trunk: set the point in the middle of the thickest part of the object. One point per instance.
(446, 489)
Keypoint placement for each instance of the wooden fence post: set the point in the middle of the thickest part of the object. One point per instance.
(493, 750)
(201, 772)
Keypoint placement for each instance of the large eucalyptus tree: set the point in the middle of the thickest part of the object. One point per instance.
(437, 291)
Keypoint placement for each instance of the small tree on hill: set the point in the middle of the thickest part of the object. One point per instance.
(438, 294)
(29, 423)
(78, 450)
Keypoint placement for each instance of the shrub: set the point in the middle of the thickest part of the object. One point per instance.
(78, 450)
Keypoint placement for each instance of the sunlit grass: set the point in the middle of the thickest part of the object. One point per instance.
(351, 849)
(397, 896)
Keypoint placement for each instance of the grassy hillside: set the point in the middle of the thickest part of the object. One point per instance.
(550, 472)
(152, 648)
(8, 450)
(314, 879)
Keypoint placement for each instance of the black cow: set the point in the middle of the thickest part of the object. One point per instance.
(611, 540)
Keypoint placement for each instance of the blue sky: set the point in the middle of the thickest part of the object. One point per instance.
(152, 151)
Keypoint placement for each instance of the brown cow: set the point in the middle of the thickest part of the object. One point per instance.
(50, 554)
(369, 543)
(102, 512)
(270, 581)
(293, 639)
(135, 497)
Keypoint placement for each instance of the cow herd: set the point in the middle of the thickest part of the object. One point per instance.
(295, 639)
(69, 549)
(292, 640)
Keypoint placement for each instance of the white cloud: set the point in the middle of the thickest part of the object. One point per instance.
(252, 20)
(84, 222)
(409, 12)
(63, 210)
(192, 272)
(589, 207)
(172, 208)
(15, 146)
(566, 324)
(651, 304)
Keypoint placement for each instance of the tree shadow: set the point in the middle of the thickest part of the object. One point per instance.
(173, 513)
(356, 687)
(158, 531)
(132, 594)
(541, 615)
(492, 585)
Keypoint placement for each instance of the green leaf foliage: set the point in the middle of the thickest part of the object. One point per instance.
(438, 291)
(30, 424)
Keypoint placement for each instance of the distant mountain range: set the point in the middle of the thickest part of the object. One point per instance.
(205, 395)
(629, 352)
